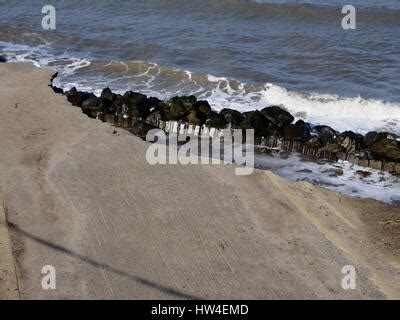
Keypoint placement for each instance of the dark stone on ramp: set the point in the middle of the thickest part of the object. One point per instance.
(232, 116)
(278, 116)
(141, 129)
(326, 134)
(386, 149)
(76, 97)
(298, 131)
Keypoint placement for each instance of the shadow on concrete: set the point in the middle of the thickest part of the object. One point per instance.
(97, 264)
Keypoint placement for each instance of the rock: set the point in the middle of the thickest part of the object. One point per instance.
(176, 112)
(313, 143)
(371, 137)
(107, 95)
(216, 120)
(350, 141)
(386, 149)
(3, 59)
(277, 116)
(76, 98)
(364, 174)
(203, 106)
(326, 134)
(257, 121)
(232, 116)
(178, 108)
(192, 118)
(141, 129)
(90, 106)
(334, 172)
(137, 104)
(154, 118)
(298, 131)
(153, 103)
(333, 147)
(188, 102)
(134, 98)
(57, 90)
(346, 145)
(353, 158)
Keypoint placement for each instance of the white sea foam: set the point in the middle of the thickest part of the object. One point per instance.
(379, 185)
(342, 113)
(40, 56)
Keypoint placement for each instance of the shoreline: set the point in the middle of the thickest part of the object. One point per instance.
(367, 157)
(81, 197)
(273, 126)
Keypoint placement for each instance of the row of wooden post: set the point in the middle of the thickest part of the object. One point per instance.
(268, 144)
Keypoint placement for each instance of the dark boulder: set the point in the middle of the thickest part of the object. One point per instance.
(76, 97)
(137, 104)
(203, 106)
(154, 118)
(108, 95)
(334, 148)
(313, 143)
(3, 59)
(350, 141)
(277, 116)
(298, 131)
(178, 108)
(57, 90)
(373, 136)
(91, 106)
(187, 101)
(216, 120)
(112, 108)
(141, 129)
(134, 98)
(257, 121)
(326, 134)
(232, 116)
(386, 149)
(175, 112)
(364, 174)
(153, 103)
(193, 117)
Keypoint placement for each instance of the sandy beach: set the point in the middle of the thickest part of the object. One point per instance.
(82, 198)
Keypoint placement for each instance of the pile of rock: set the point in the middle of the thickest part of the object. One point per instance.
(3, 59)
(139, 113)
